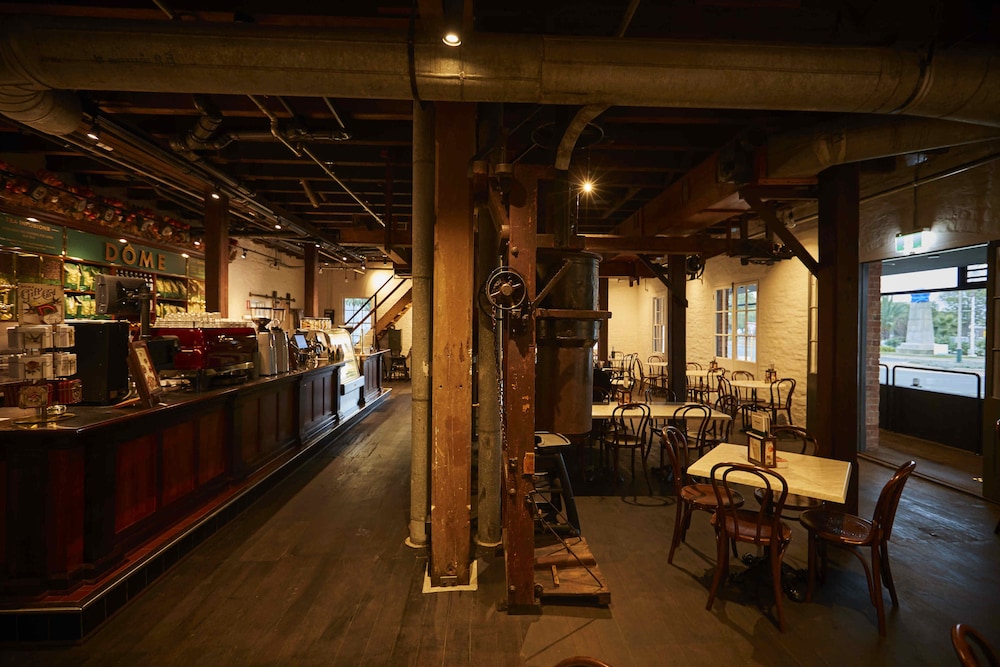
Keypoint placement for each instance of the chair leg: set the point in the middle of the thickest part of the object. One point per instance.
(776, 555)
(876, 587)
(678, 523)
(887, 573)
(721, 566)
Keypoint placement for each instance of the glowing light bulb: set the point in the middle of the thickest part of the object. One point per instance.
(587, 186)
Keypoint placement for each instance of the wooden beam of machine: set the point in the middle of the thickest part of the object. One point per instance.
(451, 399)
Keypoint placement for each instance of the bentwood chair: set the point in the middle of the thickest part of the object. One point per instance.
(827, 526)
(581, 661)
(690, 496)
(761, 527)
(970, 646)
(799, 441)
(628, 430)
(720, 430)
(694, 420)
(781, 399)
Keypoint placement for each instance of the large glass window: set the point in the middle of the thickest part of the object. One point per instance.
(736, 322)
(659, 326)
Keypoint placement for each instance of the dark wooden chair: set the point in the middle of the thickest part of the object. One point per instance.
(690, 496)
(761, 527)
(741, 375)
(972, 648)
(721, 430)
(694, 420)
(827, 526)
(628, 429)
(799, 441)
(781, 399)
(581, 661)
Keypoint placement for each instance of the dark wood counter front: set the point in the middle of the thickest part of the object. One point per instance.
(79, 497)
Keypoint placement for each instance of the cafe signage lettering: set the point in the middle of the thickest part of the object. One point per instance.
(140, 259)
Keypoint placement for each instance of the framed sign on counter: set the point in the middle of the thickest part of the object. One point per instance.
(147, 382)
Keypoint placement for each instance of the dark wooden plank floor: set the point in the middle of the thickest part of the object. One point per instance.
(316, 573)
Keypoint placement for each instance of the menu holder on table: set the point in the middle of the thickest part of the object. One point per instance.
(761, 445)
(147, 382)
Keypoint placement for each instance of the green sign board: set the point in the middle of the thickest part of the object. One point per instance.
(27, 234)
(92, 248)
(196, 268)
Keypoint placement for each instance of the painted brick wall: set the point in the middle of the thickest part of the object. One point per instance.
(873, 336)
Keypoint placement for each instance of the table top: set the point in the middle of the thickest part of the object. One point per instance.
(702, 373)
(811, 476)
(750, 384)
(656, 410)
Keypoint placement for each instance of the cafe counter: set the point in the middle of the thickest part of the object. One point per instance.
(80, 496)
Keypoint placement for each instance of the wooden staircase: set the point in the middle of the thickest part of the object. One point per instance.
(394, 312)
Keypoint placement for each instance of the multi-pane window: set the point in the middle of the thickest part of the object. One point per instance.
(659, 327)
(352, 316)
(736, 322)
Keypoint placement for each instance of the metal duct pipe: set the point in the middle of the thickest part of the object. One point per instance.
(199, 135)
(55, 112)
(98, 54)
(806, 153)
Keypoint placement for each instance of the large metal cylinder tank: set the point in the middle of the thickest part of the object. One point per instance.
(567, 325)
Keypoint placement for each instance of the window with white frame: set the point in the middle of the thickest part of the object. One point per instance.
(736, 322)
(659, 327)
(352, 316)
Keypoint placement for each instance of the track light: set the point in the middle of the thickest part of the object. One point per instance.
(452, 11)
(451, 38)
(244, 255)
(94, 132)
(215, 194)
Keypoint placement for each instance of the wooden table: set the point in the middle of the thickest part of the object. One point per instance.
(656, 410)
(812, 476)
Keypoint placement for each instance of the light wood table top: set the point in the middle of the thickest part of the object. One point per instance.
(656, 410)
(811, 476)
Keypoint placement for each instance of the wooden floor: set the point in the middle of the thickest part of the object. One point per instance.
(317, 573)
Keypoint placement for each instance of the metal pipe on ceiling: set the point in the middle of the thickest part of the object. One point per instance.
(960, 83)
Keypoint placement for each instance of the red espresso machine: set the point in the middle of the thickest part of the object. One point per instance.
(212, 351)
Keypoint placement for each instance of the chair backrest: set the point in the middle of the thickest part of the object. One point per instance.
(581, 661)
(660, 395)
(721, 429)
(888, 500)
(797, 440)
(725, 386)
(694, 366)
(654, 357)
(742, 375)
(781, 392)
(673, 440)
(696, 419)
(970, 645)
(630, 419)
(726, 476)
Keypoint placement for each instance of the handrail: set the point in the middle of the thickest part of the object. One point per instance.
(979, 379)
(373, 313)
(886, 367)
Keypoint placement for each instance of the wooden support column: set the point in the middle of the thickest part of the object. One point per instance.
(311, 301)
(217, 253)
(838, 318)
(519, 393)
(677, 325)
(453, 293)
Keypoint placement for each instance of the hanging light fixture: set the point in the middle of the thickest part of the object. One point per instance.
(452, 12)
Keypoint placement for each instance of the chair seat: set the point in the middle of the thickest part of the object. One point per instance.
(837, 526)
(793, 502)
(746, 526)
(703, 496)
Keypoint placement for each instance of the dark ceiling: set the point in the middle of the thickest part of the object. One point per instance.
(633, 153)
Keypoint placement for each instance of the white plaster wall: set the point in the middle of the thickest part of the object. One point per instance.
(782, 317)
(257, 274)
